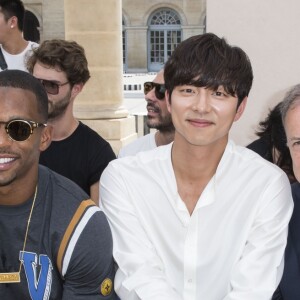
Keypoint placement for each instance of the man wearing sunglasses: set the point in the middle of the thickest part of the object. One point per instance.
(158, 117)
(76, 151)
(14, 49)
(55, 243)
(200, 218)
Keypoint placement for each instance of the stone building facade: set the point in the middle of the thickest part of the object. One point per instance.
(50, 17)
(150, 29)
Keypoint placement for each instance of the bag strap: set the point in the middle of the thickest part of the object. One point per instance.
(3, 64)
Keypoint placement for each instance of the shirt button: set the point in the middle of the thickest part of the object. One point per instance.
(190, 280)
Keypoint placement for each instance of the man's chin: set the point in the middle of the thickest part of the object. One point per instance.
(152, 124)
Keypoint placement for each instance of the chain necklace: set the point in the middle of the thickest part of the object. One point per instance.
(14, 277)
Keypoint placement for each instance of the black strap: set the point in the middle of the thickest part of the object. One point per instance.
(3, 64)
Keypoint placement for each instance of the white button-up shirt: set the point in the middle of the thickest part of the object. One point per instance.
(232, 245)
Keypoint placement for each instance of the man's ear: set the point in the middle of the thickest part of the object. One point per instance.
(240, 109)
(46, 137)
(76, 89)
(167, 96)
(13, 22)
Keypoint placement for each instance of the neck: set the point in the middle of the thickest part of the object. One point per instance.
(63, 127)
(17, 193)
(15, 44)
(194, 166)
(164, 137)
(196, 162)
(65, 124)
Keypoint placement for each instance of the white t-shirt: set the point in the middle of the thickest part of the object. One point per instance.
(232, 245)
(144, 143)
(18, 61)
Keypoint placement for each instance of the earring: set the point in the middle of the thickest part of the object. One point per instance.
(11, 26)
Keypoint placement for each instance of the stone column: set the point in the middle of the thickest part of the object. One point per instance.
(97, 26)
(137, 51)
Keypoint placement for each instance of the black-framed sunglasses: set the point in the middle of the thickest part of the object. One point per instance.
(20, 130)
(159, 89)
(51, 87)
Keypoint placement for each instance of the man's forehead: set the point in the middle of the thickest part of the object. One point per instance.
(159, 77)
(294, 108)
(16, 94)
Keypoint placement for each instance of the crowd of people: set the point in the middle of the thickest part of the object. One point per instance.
(183, 213)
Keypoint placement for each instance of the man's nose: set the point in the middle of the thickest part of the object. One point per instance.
(202, 102)
(150, 96)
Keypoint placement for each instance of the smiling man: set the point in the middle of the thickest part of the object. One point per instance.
(55, 243)
(200, 218)
(158, 117)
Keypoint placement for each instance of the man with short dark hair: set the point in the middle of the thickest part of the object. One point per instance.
(55, 243)
(14, 47)
(200, 218)
(76, 151)
(158, 117)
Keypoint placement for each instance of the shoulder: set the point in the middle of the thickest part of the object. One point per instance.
(65, 196)
(250, 169)
(60, 190)
(144, 143)
(144, 163)
(32, 45)
(246, 156)
(91, 142)
(91, 135)
(259, 146)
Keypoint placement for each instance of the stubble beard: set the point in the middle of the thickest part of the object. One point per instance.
(163, 124)
(57, 109)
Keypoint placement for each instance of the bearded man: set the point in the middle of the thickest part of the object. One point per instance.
(76, 152)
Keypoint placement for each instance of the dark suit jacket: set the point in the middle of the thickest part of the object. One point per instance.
(289, 287)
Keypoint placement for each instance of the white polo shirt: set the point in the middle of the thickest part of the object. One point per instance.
(232, 245)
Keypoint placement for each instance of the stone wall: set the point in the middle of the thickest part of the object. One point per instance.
(50, 14)
(135, 13)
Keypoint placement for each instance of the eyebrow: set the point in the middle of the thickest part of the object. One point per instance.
(292, 139)
(50, 80)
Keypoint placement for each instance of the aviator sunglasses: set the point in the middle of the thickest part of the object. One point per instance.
(159, 89)
(51, 87)
(20, 130)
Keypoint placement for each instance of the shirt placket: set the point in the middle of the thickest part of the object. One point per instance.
(190, 259)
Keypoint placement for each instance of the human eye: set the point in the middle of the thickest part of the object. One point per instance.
(219, 94)
(52, 84)
(187, 91)
(296, 144)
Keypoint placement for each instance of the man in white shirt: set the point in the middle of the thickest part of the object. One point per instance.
(158, 117)
(14, 47)
(200, 218)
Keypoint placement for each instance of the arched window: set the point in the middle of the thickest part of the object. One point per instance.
(163, 37)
